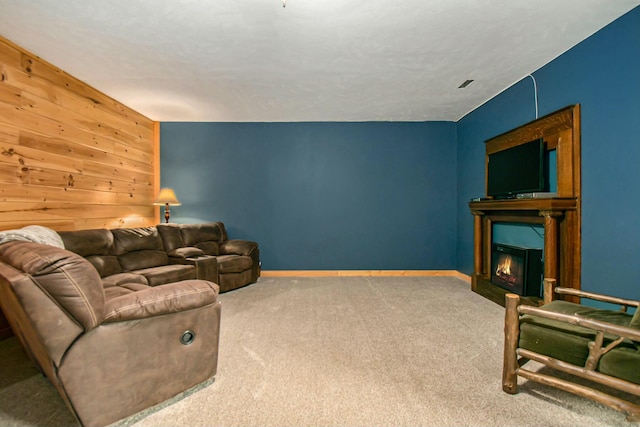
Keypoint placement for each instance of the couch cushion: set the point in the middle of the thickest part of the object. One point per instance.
(622, 362)
(123, 278)
(97, 246)
(137, 239)
(206, 236)
(142, 259)
(139, 248)
(171, 236)
(564, 341)
(106, 265)
(98, 241)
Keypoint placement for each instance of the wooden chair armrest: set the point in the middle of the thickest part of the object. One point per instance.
(598, 297)
(574, 319)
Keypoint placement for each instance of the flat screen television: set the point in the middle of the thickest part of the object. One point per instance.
(516, 170)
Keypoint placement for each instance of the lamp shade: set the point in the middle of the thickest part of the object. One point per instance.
(167, 196)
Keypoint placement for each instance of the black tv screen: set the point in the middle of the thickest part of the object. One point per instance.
(519, 169)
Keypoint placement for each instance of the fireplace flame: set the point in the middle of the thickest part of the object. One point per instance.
(504, 268)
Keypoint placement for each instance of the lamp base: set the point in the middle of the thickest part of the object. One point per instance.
(166, 213)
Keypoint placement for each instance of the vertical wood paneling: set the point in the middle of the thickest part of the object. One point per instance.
(70, 156)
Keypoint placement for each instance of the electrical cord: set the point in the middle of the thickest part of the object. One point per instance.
(535, 93)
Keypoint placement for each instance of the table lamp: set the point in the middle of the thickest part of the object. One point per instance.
(166, 197)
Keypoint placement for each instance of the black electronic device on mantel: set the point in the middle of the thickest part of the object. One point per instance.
(519, 169)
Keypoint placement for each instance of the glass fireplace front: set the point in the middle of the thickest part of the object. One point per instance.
(516, 269)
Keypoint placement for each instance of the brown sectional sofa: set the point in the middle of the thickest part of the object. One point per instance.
(167, 253)
(120, 320)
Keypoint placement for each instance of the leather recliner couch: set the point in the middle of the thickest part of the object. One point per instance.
(238, 261)
(166, 253)
(128, 255)
(110, 351)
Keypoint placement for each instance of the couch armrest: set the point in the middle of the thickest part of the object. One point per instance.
(159, 300)
(238, 247)
(244, 248)
(186, 252)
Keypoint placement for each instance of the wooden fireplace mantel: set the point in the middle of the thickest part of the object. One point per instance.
(561, 215)
(553, 213)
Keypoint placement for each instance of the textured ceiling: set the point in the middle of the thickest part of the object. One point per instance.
(313, 60)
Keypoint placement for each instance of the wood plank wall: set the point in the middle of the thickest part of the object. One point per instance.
(71, 157)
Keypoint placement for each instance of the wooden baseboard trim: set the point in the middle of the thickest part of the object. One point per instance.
(373, 273)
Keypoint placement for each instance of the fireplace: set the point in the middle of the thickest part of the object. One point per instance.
(518, 270)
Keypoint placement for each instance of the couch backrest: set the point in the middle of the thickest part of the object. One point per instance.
(171, 237)
(206, 236)
(66, 277)
(139, 248)
(97, 246)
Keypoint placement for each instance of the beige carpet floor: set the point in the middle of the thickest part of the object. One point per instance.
(349, 351)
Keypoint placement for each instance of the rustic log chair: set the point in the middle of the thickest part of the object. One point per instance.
(594, 344)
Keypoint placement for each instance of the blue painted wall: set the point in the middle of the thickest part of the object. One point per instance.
(601, 74)
(321, 195)
(395, 195)
(510, 109)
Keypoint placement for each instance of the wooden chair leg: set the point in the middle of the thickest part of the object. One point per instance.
(549, 286)
(511, 337)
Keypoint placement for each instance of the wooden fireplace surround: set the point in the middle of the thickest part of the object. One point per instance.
(560, 215)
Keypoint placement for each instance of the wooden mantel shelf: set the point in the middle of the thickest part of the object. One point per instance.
(540, 205)
(561, 216)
